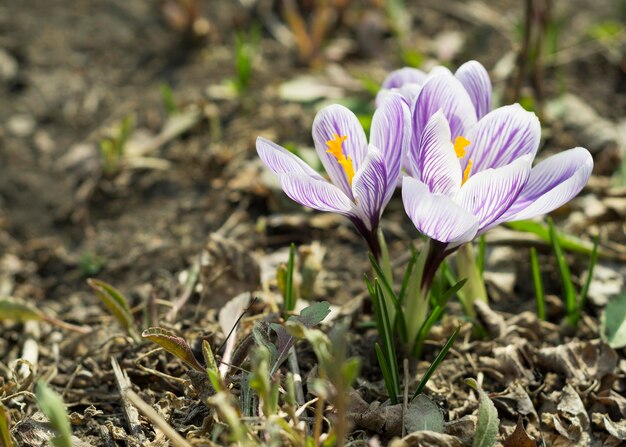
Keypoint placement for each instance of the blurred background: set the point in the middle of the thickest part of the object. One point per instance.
(127, 128)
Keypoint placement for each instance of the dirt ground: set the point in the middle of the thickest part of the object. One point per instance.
(72, 71)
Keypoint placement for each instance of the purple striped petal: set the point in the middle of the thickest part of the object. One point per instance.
(436, 164)
(402, 76)
(552, 183)
(370, 187)
(488, 194)
(317, 194)
(437, 216)
(391, 133)
(476, 81)
(338, 120)
(443, 92)
(503, 136)
(281, 161)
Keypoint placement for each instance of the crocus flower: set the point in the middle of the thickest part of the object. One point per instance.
(463, 97)
(464, 186)
(362, 176)
(471, 76)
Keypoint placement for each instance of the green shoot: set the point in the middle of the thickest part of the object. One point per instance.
(246, 46)
(435, 364)
(538, 283)
(113, 147)
(54, 409)
(168, 99)
(117, 304)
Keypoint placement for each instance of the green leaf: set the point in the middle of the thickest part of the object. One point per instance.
(16, 309)
(309, 317)
(209, 358)
(5, 434)
(168, 98)
(567, 241)
(54, 409)
(173, 344)
(116, 303)
(613, 322)
(422, 414)
(435, 364)
(488, 422)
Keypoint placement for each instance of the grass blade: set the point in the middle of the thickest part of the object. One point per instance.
(571, 304)
(582, 299)
(289, 298)
(386, 337)
(5, 434)
(399, 322)
(435, 364)
(538, 283)
(387, 377)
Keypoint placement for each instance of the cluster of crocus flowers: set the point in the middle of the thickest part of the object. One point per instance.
(464, 168)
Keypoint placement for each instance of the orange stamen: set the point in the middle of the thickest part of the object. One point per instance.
(460, 143)
(334, 148)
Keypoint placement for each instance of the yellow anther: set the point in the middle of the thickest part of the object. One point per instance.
(460, 143)
(468, 170)
(334, 148)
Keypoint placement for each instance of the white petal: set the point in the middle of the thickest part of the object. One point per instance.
(436, 215)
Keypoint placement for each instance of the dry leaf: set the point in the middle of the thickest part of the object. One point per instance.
(519, 438)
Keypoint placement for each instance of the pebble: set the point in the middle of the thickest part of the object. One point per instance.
(21, 125)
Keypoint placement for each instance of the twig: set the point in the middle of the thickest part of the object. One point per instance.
(156, 419)
(130, 412)
(297, 378)
(30, 351)
(190, 284)
(319, 418)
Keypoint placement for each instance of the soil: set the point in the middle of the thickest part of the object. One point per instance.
(72, 71)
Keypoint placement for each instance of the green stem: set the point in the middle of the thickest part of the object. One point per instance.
(474, 289)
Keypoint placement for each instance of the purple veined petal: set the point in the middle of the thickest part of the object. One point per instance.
(391, 133)
(408, 92)
(437, 216)
(338, 120)
(316, 194)
(443, 92)
(435, 161)
(502, 136)
(488, 194)
(370, 187)
(281, 161)
(406, 75)
(476, 81)
(552, 183)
